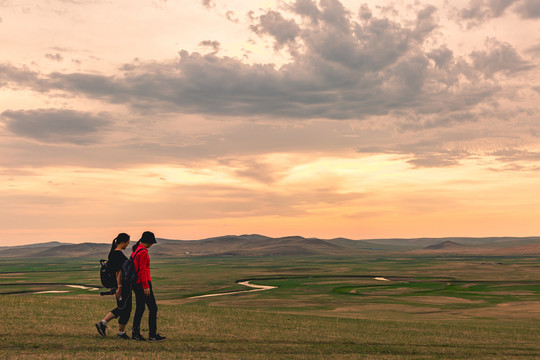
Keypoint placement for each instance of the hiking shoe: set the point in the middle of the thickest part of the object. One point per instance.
(156, 337)
(101, 328)
(122, 336)
(138, 337)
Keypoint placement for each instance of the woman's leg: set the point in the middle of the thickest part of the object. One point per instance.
(152, 312)
(109, 316)
(139, 308)
(102, 325)
(125, 305)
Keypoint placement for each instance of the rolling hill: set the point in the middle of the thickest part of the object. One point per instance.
(445, 245)
(259, 245)
(28, 250)
(231, 245)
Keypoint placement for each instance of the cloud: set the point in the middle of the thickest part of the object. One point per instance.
(340, 68)
(11, 76)
(55, 57)
(425, 22)
(498, 57)
(208, 3)
(242, 145)
(424, 150)
(262, 171)
(55, 126)
(341, 65)
(480, 11)
(214, 45)
(306, 8)
(513, 154)
(274, 24)
(534, 50)
(529, 9)
(231, 17)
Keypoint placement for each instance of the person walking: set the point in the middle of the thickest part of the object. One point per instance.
(123, 295)
(144, 295)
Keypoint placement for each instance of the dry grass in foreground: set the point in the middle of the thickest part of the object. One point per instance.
(54, 327)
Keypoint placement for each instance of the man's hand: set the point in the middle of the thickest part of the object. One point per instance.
(119, 293)
(147, 292)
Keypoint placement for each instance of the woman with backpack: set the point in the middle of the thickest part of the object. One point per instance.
(123, 295)
(144, 295)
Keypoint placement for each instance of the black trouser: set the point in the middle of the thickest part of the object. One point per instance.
(123, 307)
(142, 301)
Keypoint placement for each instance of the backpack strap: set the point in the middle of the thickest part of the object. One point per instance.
(136, 252)
(133, 258)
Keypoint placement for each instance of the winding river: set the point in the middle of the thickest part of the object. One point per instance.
(245, 283)
(254, 287)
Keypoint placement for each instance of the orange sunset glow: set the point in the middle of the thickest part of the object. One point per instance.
(331, 118)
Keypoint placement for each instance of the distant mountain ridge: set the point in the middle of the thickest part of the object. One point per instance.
(229, 245)
(260, 245)
(445, 245)
(75, 250)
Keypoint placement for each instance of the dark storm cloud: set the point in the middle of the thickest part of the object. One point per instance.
(55, 126)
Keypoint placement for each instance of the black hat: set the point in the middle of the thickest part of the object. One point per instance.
(148, 237)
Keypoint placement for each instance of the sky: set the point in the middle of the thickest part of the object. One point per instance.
(330, 118)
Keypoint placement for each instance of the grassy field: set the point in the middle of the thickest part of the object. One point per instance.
(372, 307)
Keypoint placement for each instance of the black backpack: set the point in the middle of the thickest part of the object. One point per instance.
(129, 274)
(108, 276)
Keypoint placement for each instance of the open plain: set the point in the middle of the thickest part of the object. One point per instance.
(367, 305)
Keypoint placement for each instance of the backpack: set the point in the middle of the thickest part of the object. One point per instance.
(129, 274)
(107, 275)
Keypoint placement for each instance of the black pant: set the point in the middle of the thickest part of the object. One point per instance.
(123, 307)
(142, 301)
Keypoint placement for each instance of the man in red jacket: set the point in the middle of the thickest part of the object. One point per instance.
(144, 296)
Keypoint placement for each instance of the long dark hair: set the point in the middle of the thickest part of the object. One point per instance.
(121, 238)
(134, 247)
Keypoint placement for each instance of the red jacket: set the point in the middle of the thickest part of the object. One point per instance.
(142, 266)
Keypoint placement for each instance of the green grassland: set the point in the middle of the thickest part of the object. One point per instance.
(438, 307)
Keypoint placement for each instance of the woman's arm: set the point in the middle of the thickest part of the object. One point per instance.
(119, 282)
(144, 269)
